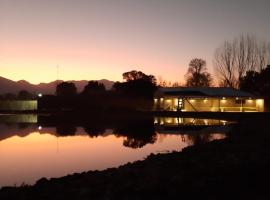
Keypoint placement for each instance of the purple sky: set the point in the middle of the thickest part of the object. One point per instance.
(94, 39)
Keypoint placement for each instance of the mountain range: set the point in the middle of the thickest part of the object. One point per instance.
(10, 86)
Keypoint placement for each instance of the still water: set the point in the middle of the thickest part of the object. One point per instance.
(30, 151)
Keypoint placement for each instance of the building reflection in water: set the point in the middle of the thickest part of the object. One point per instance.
(193, 130)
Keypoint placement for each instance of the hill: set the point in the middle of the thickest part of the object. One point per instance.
(10, 86)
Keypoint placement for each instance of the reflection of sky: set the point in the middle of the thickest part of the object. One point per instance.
(93, 39)
(29, 152)
(38, 155)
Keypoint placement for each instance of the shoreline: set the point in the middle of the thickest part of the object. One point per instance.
(132, 113)
(237, 166)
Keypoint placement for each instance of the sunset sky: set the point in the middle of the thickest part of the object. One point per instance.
(95, 39)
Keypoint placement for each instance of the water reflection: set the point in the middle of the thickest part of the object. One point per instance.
(30, 151)
(197, 131)
(194, 122)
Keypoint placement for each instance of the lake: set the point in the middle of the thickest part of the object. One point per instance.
(32, 147)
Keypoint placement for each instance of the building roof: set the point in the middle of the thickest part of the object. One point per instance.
(203, 92)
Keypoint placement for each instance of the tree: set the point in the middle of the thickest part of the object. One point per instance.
(250, 82)
(234, 58)
(224, 62)
(138, 75)
(264, 82)
(10, 96)
(24, 95)
(137, 84)
(257, 82)
(66, 89)
(93, 87)
(197, 75)
(161, 82)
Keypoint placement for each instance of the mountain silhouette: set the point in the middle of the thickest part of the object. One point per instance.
(10, 86)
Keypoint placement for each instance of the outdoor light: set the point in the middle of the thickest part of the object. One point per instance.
(250, 100)
(223, 100)
(39, 127)
(39, 94)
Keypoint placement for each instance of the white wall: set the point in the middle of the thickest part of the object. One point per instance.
(18, 105)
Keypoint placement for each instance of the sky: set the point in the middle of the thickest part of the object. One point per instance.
(96, 39)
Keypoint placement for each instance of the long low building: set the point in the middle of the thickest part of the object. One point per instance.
(214, 99)
(18, 105)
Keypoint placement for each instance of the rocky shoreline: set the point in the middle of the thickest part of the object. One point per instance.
(233, 168)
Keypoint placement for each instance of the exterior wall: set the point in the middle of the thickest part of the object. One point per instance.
(17, 105)
(210, 104)
(260, 105)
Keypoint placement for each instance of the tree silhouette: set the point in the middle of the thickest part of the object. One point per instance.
(197, 75)
(24, 95)
(234, 58)
(137, 84)
(251, 82)
(138, 75)
(10, 96)
(66, 89)
(265, 82)
(257, 83)
(93, 87)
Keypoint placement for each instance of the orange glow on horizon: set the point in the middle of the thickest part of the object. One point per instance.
(37, 61)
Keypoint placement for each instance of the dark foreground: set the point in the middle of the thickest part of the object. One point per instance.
(237, 167)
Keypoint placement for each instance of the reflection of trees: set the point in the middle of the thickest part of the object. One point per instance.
(23, 125)
(138, 133)
(138, 142)
(202, 138)
(94, 130)
(66, 130)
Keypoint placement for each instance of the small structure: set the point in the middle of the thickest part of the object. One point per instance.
(208, 99)
(18, 105)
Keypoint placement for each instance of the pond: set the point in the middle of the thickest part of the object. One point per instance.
(30, 150)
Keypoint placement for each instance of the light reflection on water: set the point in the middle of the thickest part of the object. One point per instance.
(30, 152)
